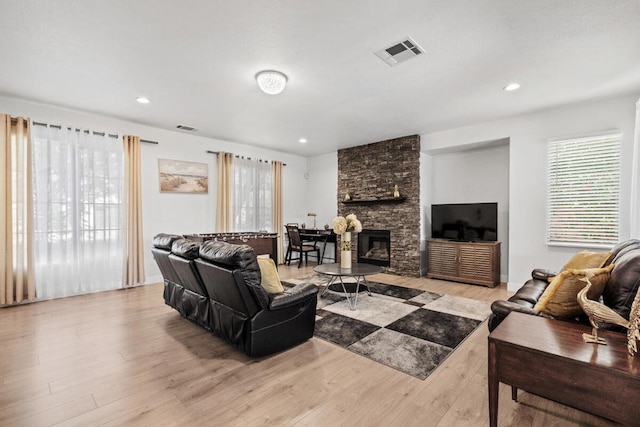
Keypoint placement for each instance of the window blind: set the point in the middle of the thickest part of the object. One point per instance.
(583, 191)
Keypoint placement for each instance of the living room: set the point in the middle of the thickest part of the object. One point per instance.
(520, 147)
(476, 158)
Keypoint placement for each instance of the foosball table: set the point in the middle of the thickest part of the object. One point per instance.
(262, 243)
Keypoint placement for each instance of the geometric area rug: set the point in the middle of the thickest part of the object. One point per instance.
(410, 330)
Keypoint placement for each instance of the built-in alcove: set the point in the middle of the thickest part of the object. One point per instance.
(477, 173)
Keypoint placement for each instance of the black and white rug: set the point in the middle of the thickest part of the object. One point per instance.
(407, 329)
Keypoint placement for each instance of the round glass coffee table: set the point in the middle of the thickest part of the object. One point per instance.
(359, 271)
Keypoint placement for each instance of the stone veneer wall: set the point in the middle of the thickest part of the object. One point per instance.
(371, 170)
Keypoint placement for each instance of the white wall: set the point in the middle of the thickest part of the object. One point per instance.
(528, 135)
(425, 208)
(173, 212)
(477, 175)
(322, 192)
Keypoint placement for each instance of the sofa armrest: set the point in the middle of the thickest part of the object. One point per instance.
(503, 308)
(542, 274)
(293, 296)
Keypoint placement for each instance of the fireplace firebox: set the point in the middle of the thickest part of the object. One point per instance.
(374, 247)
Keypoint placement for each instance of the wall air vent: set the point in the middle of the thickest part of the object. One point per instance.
(187, 128)
(400, 52)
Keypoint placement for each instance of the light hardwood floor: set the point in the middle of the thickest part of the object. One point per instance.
(125, 358)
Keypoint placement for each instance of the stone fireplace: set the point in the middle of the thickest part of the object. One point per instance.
(369, 174)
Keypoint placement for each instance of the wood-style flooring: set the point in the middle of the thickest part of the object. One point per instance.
(124, 358)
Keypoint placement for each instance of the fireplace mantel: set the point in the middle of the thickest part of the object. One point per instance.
(376, 200)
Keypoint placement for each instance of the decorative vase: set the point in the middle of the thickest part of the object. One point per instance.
(345, 253)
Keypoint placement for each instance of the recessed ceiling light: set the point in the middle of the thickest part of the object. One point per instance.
(302, 140)
(143, 100)
(512, 86)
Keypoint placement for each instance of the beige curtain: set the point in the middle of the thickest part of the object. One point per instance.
(276, 167)
(16, 239)
(225, 192)
(133, 269)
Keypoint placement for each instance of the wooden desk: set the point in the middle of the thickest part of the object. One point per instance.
(262, 243)
(548, 358)
(322, 236)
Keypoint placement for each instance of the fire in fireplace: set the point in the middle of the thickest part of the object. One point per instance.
(374, 247)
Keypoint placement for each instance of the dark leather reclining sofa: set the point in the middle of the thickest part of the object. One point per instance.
(619, 292)
(217, 286)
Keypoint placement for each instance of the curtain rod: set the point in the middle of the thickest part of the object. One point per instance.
(237, 156)
(110, 135)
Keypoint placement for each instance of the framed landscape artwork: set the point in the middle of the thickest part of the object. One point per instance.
(183, 177)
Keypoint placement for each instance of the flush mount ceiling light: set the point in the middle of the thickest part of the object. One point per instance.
(302, 140)
(271, 82)
(512, 86)
(143, 100)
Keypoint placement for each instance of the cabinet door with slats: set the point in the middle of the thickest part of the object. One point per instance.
(476, 262)
(442, 258)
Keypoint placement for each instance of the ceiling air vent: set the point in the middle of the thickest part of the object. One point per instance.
(400, 52)
(187, 128)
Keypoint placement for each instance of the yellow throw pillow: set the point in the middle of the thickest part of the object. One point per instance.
(560, 299)
(587, 259)
(270, 280)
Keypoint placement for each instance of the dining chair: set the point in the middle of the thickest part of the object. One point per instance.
(296, 245)
(286, 257)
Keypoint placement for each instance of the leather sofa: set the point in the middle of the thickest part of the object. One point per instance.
(217, 285)
(619, 292)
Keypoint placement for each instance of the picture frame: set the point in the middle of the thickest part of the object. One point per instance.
(177, 176)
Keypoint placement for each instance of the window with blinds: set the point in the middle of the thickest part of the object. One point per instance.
(583, 191)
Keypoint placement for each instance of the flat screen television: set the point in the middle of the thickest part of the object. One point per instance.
(465, 222)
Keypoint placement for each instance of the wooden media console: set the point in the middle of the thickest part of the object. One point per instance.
(469, 262)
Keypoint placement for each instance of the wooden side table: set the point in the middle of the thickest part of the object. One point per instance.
(548, 358)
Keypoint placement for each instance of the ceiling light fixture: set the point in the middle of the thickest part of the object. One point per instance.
(302, 140)
(143, 100)
(271, 82)
(512, 86)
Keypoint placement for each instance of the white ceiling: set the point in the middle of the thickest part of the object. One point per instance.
(196, 61)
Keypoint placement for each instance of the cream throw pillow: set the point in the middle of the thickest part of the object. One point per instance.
(560, 299)
(587, 259)
(270, 280)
